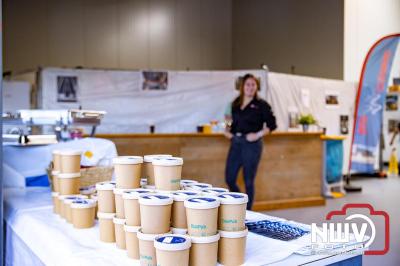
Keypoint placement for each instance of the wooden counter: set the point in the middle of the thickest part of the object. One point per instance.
(289, 174)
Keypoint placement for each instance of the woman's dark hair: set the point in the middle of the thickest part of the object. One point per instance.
(239, 100)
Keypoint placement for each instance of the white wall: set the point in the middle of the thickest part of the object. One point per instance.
(121, 34)
(365, 21)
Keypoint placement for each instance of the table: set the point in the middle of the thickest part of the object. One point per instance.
(290, 160)
(36, 236)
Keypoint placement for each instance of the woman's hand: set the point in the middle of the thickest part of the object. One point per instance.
(228, 135)
(251, 137)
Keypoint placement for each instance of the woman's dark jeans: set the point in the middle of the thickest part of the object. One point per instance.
(243, 153)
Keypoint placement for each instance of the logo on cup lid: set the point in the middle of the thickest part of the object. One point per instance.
(219, 190)
(72, 197)
(202, 200)
(189, 193)
(138, 191)
(81, 201)
(155, 197)
(171, 239)
(232, 196)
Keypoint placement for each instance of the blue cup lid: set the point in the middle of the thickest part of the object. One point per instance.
(172, 242)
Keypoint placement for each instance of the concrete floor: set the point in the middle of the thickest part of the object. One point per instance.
(382, 194)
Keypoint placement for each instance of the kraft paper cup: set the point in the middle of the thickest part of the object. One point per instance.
(56, 186)
(83, 212)
(69, 183)
(232, 212)
(119, 202)
(105, 197)
(88, 190)
(186, 182)
(204, 251)
(66, 203)
(172, 250)
(198, 186)
(128, 171)
(70, 161)
(167, 173)
(63, 210)
(131, 205)
(178, 209)
(148, 171)
(119, 232)
(202, 215)
(132, 242)
(94, 197)
(56, 203)
(232, 247)
(155, 213)
(214, 191)
(106, 227)
(147, 251)
(56, 160)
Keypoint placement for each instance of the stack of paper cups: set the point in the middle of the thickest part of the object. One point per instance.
(202, 221)
(231, 225)
(167, 173)
(128, 171)
(148, 171)
(69, 176)
(106, 210)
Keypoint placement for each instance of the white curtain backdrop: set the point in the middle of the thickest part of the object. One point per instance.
(192, 97)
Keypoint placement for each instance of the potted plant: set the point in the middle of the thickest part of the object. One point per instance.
(306, 120)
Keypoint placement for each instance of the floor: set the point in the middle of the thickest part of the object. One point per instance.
(382, 194)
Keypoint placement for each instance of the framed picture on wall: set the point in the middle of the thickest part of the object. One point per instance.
(392, 125)
(344, 124)
(392, 102)
(332, 99)
(155, 80)
(67, 89)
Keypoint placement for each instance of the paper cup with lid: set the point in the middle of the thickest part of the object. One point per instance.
(128, 171)
(88, 190)
(155, 213)
(172, 250)
(69, 183)
(63, 210)
(214, 191)
(70, 161)
(54, 179)
(232, 212)
(198, 186)
(147, 251)
(119, 202)
(66, 203)
(119, 232)
(132, 242)
(232, 247)
(178, 209)
(131, 205)
(83, 212)
(167, 173)
(56, 202)
(106, 226)
(202, 215)
(148, 170)
(105, 196)
(56, 160)
(204, 250)
(186, 182)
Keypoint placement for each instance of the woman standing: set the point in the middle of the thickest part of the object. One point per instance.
(252, 119)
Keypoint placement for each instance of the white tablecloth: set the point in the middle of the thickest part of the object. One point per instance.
(37, 236)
